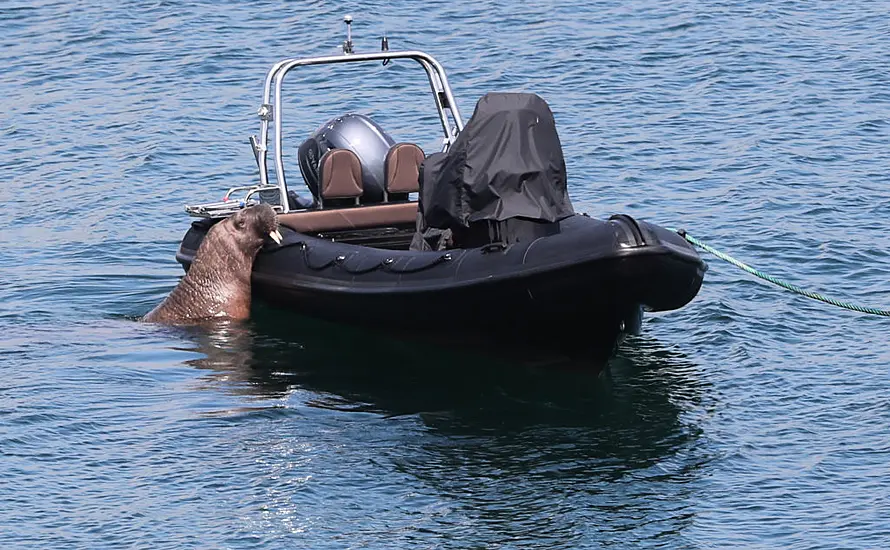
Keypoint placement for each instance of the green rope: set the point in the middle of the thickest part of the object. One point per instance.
(770, 278)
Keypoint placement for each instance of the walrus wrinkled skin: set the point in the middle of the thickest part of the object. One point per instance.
(217, 285)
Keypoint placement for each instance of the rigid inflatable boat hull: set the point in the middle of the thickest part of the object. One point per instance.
(575, 293)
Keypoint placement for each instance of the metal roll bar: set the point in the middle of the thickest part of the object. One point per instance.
(270, 111)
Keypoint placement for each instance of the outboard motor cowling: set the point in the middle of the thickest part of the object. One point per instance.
(503, 180)
(359, 134)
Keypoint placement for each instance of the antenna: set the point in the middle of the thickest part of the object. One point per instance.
(384, 46)
(347, 45)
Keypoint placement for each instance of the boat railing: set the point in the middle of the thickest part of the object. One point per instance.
(270, 111)
(234, 200)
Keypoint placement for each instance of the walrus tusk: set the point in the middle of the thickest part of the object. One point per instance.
(276, 236)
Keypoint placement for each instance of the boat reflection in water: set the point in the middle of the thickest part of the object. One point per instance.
(555, 418)
(514, 451)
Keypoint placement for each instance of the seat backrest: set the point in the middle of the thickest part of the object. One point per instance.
(401, 169)
(340, 176)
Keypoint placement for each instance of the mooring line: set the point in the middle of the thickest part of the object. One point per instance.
(788, 286)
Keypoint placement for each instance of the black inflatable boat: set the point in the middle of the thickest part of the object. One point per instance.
(476, 244)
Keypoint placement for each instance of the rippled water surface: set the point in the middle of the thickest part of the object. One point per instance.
(750, 418)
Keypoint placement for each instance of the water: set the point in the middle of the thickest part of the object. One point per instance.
(750, 418)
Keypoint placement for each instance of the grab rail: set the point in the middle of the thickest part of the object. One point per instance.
(270, 111)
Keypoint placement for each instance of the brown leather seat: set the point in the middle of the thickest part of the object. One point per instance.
(340, 176)
(402, 169)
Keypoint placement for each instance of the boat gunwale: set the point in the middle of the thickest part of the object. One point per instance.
(401, 285)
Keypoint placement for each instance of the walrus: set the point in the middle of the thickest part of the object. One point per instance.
(217, 285)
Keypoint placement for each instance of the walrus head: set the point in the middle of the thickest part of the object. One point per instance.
(248, 228)
(229, 248)
(217, 284)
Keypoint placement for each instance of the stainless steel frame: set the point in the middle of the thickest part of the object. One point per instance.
(271, 111)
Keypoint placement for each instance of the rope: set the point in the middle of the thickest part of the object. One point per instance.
(386, 264)
(793, 288)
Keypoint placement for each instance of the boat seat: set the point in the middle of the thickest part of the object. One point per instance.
(362, 217)
(340, 176)
(402, 171)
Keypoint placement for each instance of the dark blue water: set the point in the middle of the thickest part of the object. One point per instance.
(750, 418)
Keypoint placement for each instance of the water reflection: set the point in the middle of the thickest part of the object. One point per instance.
(633, 410)
(517, 451)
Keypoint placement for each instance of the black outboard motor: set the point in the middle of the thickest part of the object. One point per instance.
(359, 134)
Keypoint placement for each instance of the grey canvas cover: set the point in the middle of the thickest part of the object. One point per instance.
(506, 163)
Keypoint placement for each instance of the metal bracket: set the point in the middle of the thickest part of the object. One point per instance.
(258, 148)
(265, 112)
